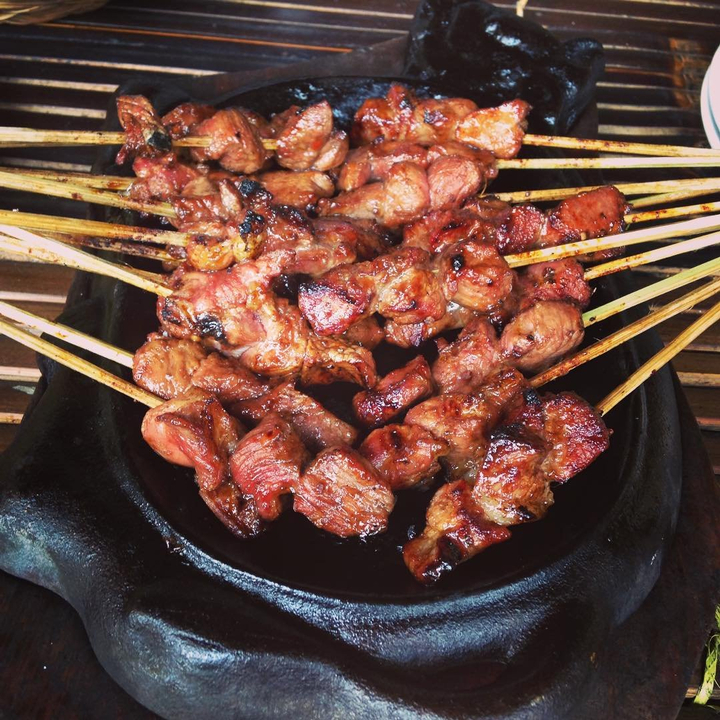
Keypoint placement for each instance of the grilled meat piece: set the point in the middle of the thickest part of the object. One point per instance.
(464, 420)
(510, 485)
(394, 393)
(538, 336)
(227, 379)
(144, 131)
(182, 120)
(571, 428)
(316, 426)
(341, 493)
(555, 280)
(400, 115)
(457, 529)
(413, 335)
(236, 137)
(166, 366)
(474, 275)
(306, 138)
(194, 431)
(328, 360)
(266, 464)
(500, 129)
(300, 189)
(463, 365)
(373, 162)
(403, 196)
(367, 332)
(160, 178)
(403, 455)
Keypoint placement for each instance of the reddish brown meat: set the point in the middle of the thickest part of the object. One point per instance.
(401, 116)
(165, 366)
(500, 129)
(403, 455)
(235, 140)
(464, 365)
(403, 196)
(510, 485)
(399, 285)
(474, 275)
(266, 464)
(328, 360)
(194, 431)
(367, 332)
(456, 530)
(441, 228)
(541, 335)
(300, 189)
(592, 214)
(341, 493)
(414, 335)
(144, 131)
(464, 420)
(161, 178)
(394, 393)
(572, 429)
(316, 426)
(556, 280)
(452, 180)
(306, 139)
(373, 162)
(182, 120)
(227, 379)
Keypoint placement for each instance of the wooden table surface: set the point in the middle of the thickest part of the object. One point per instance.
(59, 75)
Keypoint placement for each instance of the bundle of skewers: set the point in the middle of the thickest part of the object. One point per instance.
(293, 257)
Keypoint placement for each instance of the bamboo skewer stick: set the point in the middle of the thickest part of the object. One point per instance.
(13, 136)
(634, 237)
(659, 359)
(671, 197)
(125, 248)
(16, 181)
(72, 226)
(616, 146)
(607, 163)
(78, 364)
(645, 294)
(626, 263)
(708, 185)
(628, 332)
(673, 212)
(63, 332)
(54, 251)
(101, 182)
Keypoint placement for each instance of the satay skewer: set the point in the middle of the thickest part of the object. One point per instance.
(633, 237)
(10, 136)
(664, 356)
(668, 190)
(22, 242)
(67, 334)
(617, 338)
(673, 212)
(78, 364)
(678, 280)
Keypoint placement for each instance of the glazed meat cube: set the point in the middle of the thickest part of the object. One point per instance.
(541, 335)
(144, 131)
(456, 530)
(510, 485)
(341, 493)
(266, 464)
(316, 426)
(555, 280)
(500, 129)
(229, 381)
(165, 366)
(463, 365)
(394, 393)
(403, 455)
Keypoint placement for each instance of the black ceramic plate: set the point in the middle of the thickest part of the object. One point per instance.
(194, 623)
